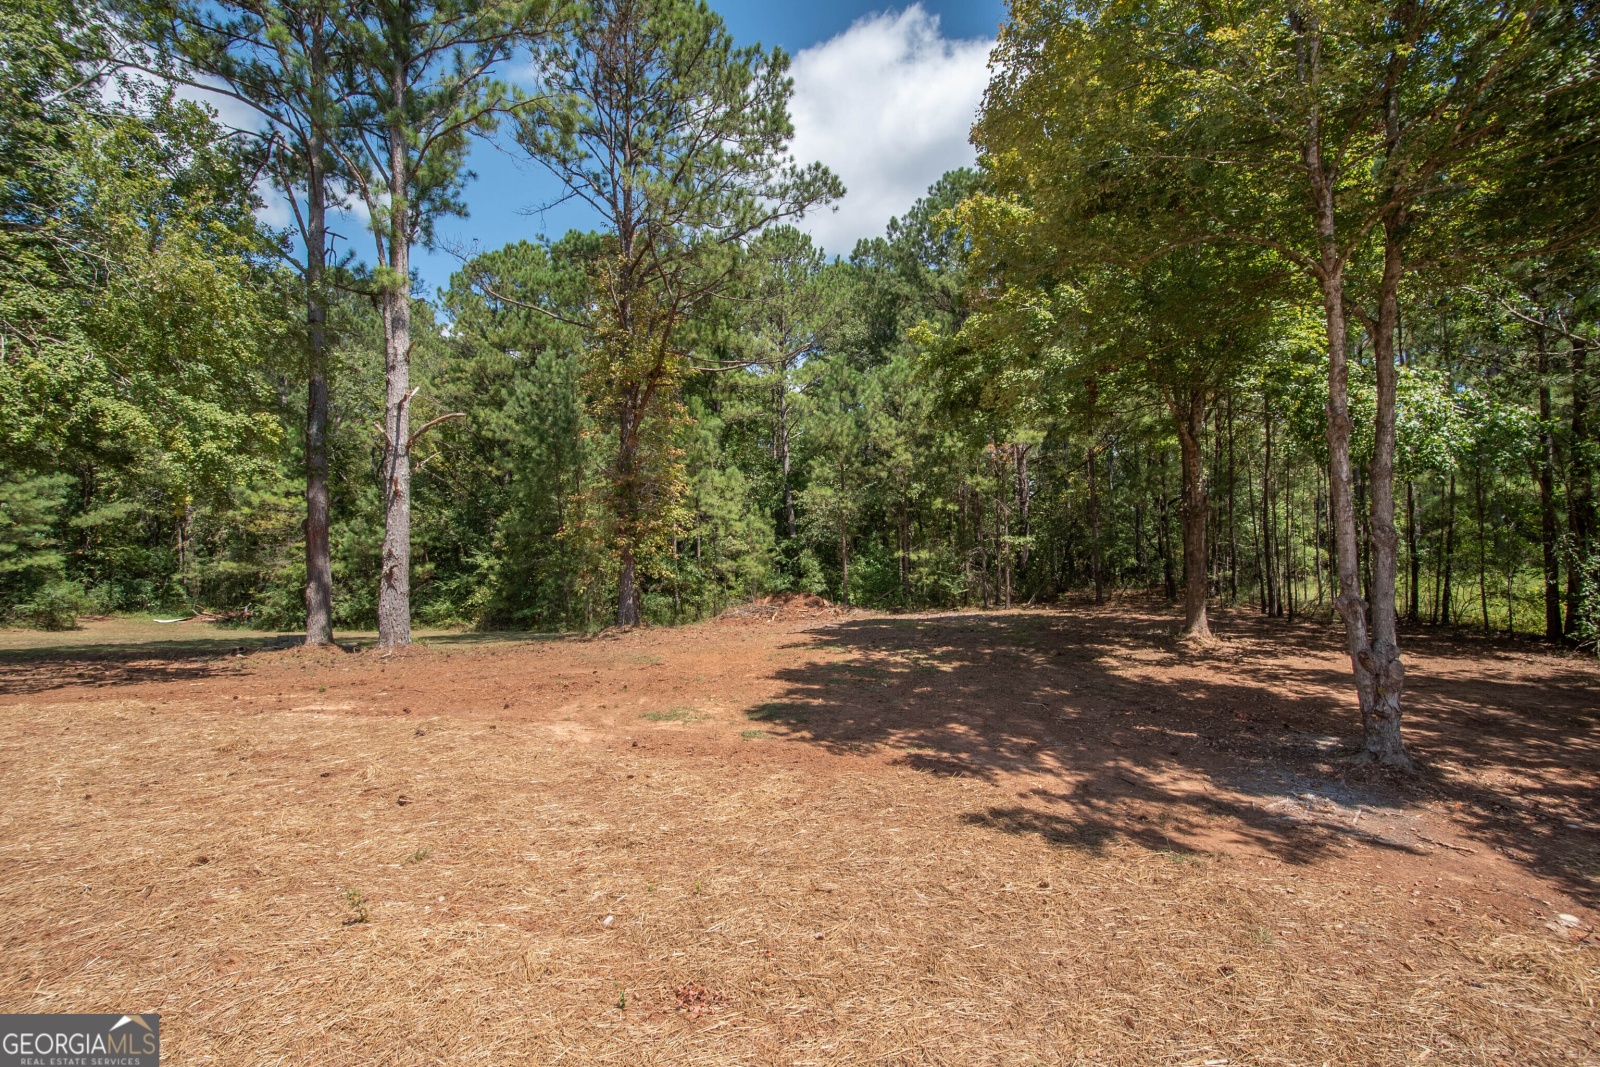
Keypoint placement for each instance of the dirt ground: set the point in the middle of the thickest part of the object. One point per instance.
(803, 837)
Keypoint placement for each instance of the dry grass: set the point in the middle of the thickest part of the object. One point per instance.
(541, 893)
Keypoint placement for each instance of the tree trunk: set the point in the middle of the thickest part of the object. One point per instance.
(1189, 415)
(1022, 504)
(904, 524)
(394, 582)
(1164, 537)
(1439, 578)
(1374, 655)
(627, 587)
(1383, 741)
(784, 457)
(1316, 536)
(1547, 500)
(627, 490)
(1447, 597)
(1094, 531)
(1483, 580)
(1414, 600)
(319, 564)
(1269, 564)
(1511, 603)
(844, 558)
(1581, 518)
(1233, 527)
(1287, 551)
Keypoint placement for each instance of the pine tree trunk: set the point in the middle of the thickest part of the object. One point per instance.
(1414, 589)
(1287, 551)
(1448, 596)
(394, 582)
(784, 457)
(1548, 527)
(1255, 538)
(627, 587)
(1094, 531)
(1164, 537)
(1189, 415)
(627, 504)
(1316, 537)
(1022, 504)
(903, 525)
(844, 558)
(1233, 526)
(1483, 579)
(1438, 577)
(1581, 517)
(319, 564)
(1269, 524)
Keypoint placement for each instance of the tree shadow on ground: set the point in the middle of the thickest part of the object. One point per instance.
(26, 671)
(1125, 734)
(73, 661)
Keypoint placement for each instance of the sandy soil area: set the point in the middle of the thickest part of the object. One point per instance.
(803, 837)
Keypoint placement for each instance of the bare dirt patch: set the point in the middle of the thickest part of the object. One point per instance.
(986, 838)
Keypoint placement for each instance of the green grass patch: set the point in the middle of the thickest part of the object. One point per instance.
(672, 715)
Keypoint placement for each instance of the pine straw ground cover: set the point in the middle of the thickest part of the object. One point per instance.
(314, 887)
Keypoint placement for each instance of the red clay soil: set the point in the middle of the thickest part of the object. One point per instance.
(796, 835)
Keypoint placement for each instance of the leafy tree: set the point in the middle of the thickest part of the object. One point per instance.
(677, 139)
(422, 76)
(282, 58)
(1341, 136)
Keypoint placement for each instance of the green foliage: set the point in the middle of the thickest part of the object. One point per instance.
(677, 138)
(30, 553)
(983, 406)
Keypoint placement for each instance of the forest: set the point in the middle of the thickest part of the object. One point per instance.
(1287, 308)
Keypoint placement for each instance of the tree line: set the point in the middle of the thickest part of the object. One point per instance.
(1286, 306)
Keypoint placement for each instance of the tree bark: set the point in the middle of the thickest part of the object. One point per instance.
(627, 503)
(1164, 536)
(1189, 415)
(1287, 545)
(627, 590)
(1447, 597)
(1269, 565)
(784, 457)
(1233, 527)
(1483, 580)
(394, 581)
(1413, 560)
(1548, 527)
(1581, 518)
(1094, 531)
(1022, 504)
(319, 563)
(844, 557)
(1383, 741)
(1374, 654)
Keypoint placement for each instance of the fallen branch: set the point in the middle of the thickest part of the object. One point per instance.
(1445, 844)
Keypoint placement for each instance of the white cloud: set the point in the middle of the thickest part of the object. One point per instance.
(887, 106)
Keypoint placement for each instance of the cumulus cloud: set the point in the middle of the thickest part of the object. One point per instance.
(887, 106)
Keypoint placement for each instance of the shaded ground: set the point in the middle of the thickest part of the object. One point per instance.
(1009, 838)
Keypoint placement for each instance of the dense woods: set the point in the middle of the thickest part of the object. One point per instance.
(1288, 307)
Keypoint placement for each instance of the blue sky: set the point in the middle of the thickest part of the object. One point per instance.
(884, 96)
